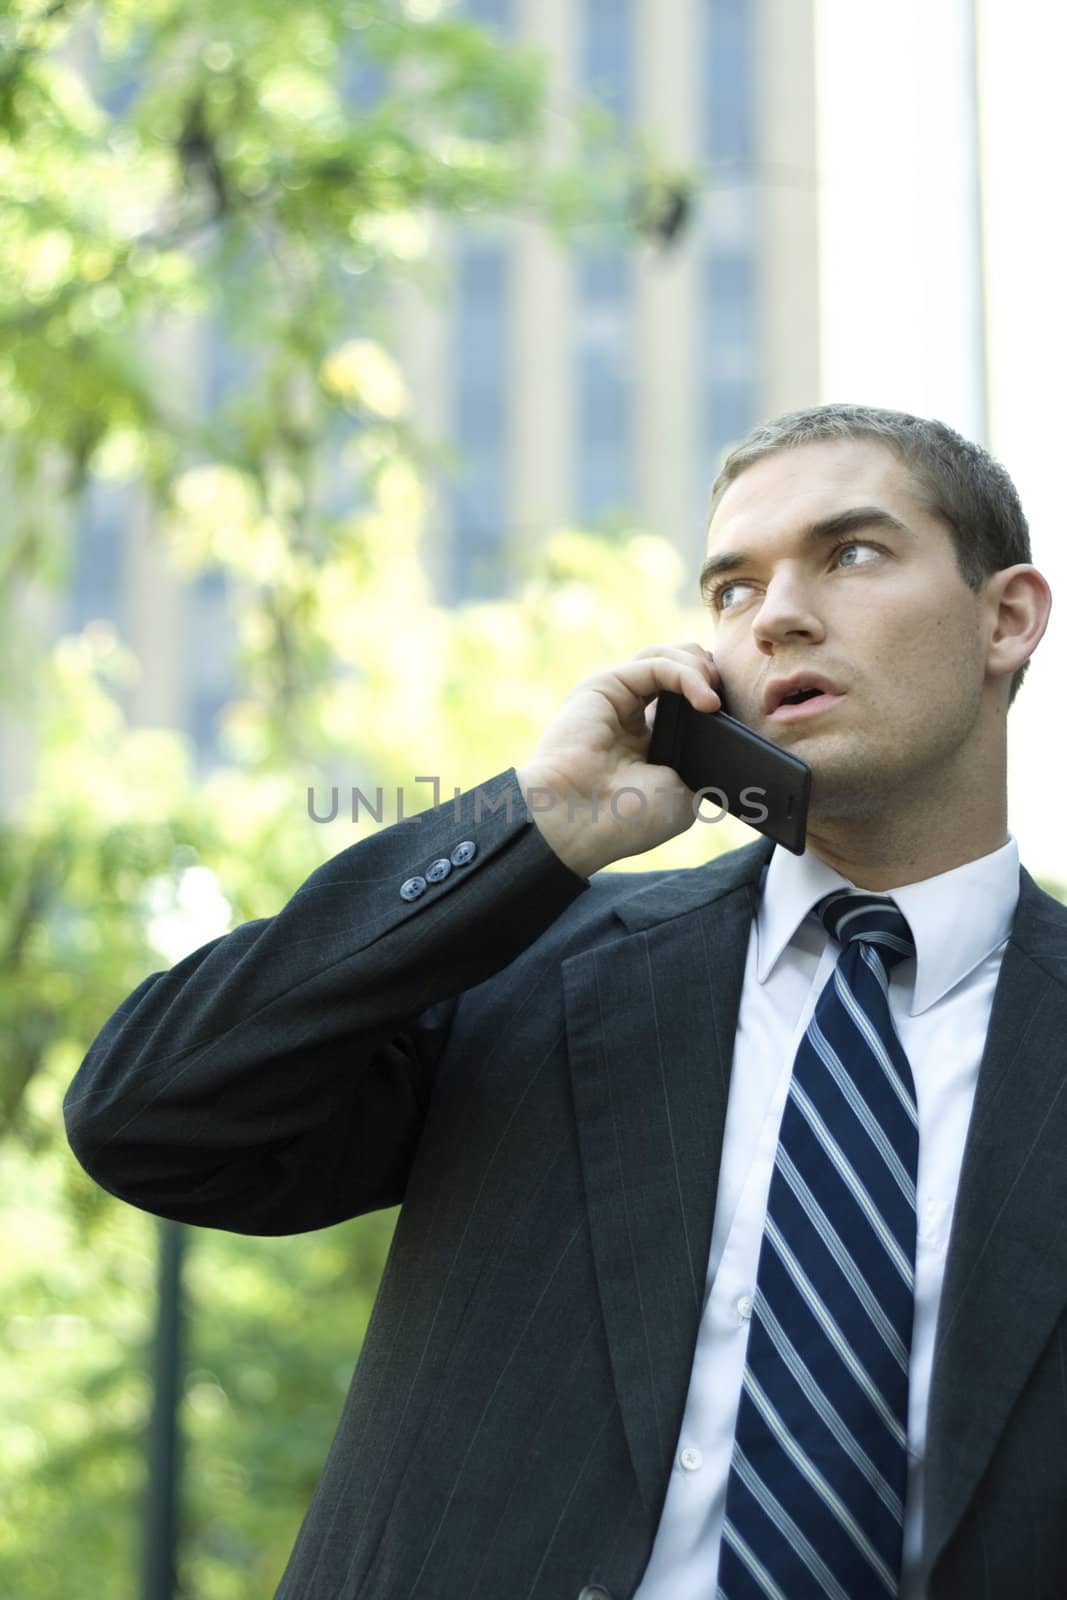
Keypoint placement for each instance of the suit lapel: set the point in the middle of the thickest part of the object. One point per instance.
(651, 1019)
(1006, 1273)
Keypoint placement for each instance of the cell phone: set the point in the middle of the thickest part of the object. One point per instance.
(748, 775)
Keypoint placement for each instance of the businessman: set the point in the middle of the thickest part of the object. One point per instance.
(732, 1252)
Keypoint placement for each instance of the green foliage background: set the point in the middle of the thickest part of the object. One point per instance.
(170, 169)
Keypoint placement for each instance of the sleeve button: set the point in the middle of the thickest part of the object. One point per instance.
(439, 869)
(411, 888)
(465, 851)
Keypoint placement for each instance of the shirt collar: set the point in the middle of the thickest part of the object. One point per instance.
(947, 945)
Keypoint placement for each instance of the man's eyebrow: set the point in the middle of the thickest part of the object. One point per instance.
(842, 522)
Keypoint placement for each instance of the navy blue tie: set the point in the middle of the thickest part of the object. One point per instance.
(815, 1496)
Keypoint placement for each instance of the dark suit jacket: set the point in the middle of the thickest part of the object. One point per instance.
(554, 1134)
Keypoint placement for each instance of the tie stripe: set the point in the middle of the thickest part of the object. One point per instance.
(781, 1521)
(832, 1332)
(802, 1375)
(815, 1497)
(878, 1050)
(832, 1240)
(824, 1487)
(871, 1126)
(849, 1176)
(753, 1563)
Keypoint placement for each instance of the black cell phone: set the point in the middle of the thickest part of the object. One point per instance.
(748, 775)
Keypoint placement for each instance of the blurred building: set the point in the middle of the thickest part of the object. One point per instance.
(601, 384)
(593, 385)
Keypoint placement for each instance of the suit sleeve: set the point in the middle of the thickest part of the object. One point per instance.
(276, 1080)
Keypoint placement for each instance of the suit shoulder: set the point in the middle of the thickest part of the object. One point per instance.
(615, 898)
(1039, 927)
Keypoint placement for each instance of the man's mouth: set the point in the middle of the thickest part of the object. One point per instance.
(787, 693)
(799, 694)
(804, 703)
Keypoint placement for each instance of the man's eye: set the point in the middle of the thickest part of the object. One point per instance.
(719, 597)
(843, 549)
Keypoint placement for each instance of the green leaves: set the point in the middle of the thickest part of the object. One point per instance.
(206, 207)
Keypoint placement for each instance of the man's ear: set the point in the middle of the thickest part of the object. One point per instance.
(1019, 601)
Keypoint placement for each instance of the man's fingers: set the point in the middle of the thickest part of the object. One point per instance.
(600, 738)
(693, 648)
(645, 678)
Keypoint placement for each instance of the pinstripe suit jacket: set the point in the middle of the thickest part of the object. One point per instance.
(538, 1069)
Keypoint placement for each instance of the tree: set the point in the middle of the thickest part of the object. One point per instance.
(174, 176)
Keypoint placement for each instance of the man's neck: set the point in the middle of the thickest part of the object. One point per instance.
(884, 834)
(906, 837)
(882, 862)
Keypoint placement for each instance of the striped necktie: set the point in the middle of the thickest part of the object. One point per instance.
(815, 1495)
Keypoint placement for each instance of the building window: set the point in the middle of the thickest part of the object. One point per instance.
(211, 671)
(728, 89)
(96, 588)
(603, 310)
(478, 492)
(729, 355)
(499, 15)
(603, 327)
(606, 54)
(363, 79)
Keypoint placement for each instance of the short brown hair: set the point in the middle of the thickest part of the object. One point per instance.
(960, 483)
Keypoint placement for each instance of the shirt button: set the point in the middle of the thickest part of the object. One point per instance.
(411, 888)
(465, 851)
(438, 869)
(691, 1459)
(744, 1307)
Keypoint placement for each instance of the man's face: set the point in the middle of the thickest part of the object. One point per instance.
(877, 609)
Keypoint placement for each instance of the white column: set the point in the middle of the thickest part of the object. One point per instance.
(1024, 134)
(899, 286)
(786, 206)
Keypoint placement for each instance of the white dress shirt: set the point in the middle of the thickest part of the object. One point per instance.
(940, 1001)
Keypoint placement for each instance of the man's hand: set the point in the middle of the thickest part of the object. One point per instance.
(588, 784)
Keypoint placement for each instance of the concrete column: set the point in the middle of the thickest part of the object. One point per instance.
(786, 206)
(897, 171)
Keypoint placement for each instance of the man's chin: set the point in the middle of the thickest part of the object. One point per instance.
(843, 783)
(844, 788)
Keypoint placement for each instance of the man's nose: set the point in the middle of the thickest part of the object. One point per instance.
(786, 612)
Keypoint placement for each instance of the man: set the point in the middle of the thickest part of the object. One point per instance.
(656, 1318)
